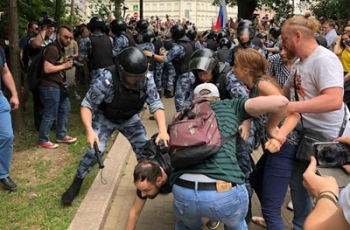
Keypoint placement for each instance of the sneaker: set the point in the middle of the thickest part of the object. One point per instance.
(258, 220)
(213, 224)
(67, 139)
(48, 145)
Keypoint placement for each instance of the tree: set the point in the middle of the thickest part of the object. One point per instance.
(17, 116)
(338, 10)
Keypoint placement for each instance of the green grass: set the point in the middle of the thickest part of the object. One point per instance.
(42, 176)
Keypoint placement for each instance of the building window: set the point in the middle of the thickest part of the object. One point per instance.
(161, 6)
(176, 7)
(168, 7)
(154, 7)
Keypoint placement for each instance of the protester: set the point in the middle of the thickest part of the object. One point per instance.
(271, 176)
(197, 191)
(315, 87)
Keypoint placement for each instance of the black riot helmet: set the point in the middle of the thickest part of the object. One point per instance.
(203, 60)
(245, 31)
(132, 64)
(225, 42)
(97, 23)
(141, 25)
(177, 32)
(220, 35)
(147, 35)
(262, 35)
(275, 32)
(209, 34)
(191, 34)
(118, 26)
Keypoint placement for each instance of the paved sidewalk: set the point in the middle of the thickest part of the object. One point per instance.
(111, 202)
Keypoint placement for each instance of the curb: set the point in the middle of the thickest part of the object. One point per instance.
(93, 210)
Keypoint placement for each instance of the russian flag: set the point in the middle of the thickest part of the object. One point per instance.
(222, 17)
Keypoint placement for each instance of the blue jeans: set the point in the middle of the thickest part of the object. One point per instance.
(228, 207)
(6, 137)
(270, 181)
(53, 109)
(302, 202)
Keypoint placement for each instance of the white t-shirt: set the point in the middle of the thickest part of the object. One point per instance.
(344, 201)
(321, 70)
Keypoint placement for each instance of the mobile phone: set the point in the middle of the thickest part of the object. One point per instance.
(331, 154)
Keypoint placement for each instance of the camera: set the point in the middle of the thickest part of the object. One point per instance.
(157, 18)
(167, 16)
(46, 20)
(75, 63)
(125, 8)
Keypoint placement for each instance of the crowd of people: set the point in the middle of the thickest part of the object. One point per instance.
(260, 84)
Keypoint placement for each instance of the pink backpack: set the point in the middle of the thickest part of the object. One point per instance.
(194, 135)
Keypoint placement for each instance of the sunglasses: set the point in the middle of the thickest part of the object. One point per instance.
(67, 37)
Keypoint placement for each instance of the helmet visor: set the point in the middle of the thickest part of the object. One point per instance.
(133, 81)
(202, 63)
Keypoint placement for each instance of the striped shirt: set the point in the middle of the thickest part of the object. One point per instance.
(223, 165)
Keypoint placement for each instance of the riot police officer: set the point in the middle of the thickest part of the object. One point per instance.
(245, 35)
(180, 55)
(97, 47)
(113, 103)
(123, 38)
(224, 49)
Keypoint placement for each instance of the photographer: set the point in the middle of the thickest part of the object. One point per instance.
(53, 91)
(35, 45)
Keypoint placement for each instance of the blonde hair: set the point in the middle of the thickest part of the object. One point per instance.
(306, 24)
(256, 63)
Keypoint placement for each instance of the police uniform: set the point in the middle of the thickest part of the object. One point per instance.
(103, 51)
(184, 78)
(123, 41)
(103, 91)
(229, 60)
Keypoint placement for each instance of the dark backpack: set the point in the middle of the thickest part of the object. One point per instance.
(194, 135)
(35, 69)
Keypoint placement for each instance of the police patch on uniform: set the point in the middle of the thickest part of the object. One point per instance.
(93, 95)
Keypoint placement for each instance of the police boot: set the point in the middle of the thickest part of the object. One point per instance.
(168, 94)
(72, 191)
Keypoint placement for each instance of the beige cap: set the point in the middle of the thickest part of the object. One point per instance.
(206, 90)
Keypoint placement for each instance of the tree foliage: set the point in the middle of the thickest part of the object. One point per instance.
(338, 10)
